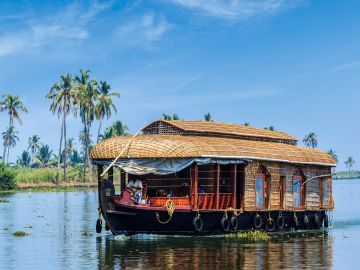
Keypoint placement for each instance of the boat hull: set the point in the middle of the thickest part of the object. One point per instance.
(125, 219)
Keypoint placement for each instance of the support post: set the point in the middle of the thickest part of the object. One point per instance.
(216, 184)
(99, 172)
(111, 174)
(122, 180)
(234, 177)
(194, 185)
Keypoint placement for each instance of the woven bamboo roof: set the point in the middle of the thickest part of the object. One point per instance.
(206, 128)
(177, 146)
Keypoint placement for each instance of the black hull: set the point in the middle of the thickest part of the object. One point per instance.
(128, 220)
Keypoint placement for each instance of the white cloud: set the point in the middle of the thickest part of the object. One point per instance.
(66, 26)
(238, 9)
(143, 31)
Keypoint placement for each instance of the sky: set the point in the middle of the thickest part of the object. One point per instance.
(294, 64)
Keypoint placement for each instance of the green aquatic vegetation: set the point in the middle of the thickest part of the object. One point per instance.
(253, 235)
(6, 229)
(20, 234)
(28, 227)
(4, 201)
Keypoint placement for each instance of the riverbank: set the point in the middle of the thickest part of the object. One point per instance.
(51, 187)
(347, 175)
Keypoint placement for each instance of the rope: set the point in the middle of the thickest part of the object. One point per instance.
(170, 207)
(235, 213)
(270, 220)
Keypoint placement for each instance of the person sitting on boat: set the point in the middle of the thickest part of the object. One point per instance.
(136, 189)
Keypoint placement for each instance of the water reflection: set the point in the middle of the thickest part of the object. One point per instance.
(297, 251)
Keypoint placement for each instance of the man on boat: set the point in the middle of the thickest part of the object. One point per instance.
(136, 188)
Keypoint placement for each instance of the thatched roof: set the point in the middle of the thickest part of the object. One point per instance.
(217, 129)
(177, 146)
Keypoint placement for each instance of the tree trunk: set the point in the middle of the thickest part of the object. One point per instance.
(65, 142)
(59, 157)
(98, 135)
(4, 154)
(85, 150)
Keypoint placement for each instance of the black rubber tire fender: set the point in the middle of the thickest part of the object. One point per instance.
(307, 222)
(258, 222)
(198, 224)
(270, 225)
(280, 222)
(99, 225)
(317, 221)
(225, 224)
(326, 221)
(234, 223)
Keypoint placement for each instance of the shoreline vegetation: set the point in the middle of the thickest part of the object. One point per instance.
(347, 175)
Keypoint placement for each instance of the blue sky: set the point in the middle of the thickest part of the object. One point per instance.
(292, 64)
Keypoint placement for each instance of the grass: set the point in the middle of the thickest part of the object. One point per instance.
(347, 175)
(20, 234)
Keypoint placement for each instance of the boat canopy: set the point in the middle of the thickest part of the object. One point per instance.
(163, 166)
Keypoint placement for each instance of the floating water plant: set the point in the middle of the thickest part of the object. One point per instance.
(20, 234)
(253, 235)
(28, 227)
(4, 201)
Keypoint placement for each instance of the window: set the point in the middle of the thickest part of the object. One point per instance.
(282, 191)
(260, 191)
(325, 192)
(297, 192)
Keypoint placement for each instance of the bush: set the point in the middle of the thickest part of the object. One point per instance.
(7, 177)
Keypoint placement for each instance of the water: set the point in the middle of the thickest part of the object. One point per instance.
(63, 237)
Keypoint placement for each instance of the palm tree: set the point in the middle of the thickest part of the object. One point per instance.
(349, 163)
(44, 157)
(247, 124)
(13, 105)
(62, 95)
(9, 140)
(105, 104)
(116, 129)
(24, 159)
(271, 128)
(311, 140)
(208, 117)
(75, 158)
(34, 144)
(333, 154)
(170, 118)
(86, 98)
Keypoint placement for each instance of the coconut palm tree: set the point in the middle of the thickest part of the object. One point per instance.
(208, 117)
(170, 118)
(247, 124)
(24, 159)
(9, 140)
(75, 158)
(116, 129)
(271, 128)
(333, 154)
(34, 144)
(13, 105)
(86, 99)
(350, 163)
(105, 105)
(44, 157)
(62, 95)
(311, 140)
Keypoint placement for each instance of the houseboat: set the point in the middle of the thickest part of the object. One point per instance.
(201, 177)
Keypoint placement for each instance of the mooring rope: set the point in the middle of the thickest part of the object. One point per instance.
(170, 207)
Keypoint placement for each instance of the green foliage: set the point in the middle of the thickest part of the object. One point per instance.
(247, 124)
(333, 154)
(253, 235)
(116, 129)
(7, 177)
(311, 140)
(271, 128)
(208, 117)
(170, 118)
(24, 159)
(20, 234)
(44, 157)
(349, 163)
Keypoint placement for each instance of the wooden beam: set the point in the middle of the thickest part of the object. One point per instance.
(194, 185)
(234, 178)
(122, 180)
(216, 184)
